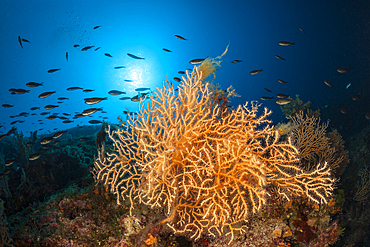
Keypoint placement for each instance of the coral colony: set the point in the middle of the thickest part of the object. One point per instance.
(209, 174)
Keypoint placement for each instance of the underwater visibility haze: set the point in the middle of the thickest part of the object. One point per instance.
(109, 108)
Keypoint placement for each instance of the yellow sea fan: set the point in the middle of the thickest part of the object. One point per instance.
(209, 65)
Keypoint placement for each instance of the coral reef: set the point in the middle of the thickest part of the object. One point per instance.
(5, 239)
(208, 174)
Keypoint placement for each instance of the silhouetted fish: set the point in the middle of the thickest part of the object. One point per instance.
(96, 27)
(135, 57)
(95, 100)
(196, 61)
(177, 79)
(59, 134)
(90, 111)
(51, 117)
(343, 70)
(108, 55)
(135, 98)
(49, 107)
(280, 95)
(52, 70)
(67, 56)
(180, 37)
(140, 89)
(328, 83)
(167, 50)
(20, 41)
(20, 91)
(87, 48)
(116, 92)
(283, 101)
(281, 81)
(343, 110)
(255, 72)
(46, 94)
(286, 43)
(236, 61)
(74, 88)
(266, 98)
(95, 121)
(119, 67)
(34, 84)
(355, 97)
(46, 140)
(278, 57)
(9, 162)
(124, 98)
(34, 156)
(7, 105)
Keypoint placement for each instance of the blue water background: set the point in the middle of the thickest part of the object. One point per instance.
(336, 34)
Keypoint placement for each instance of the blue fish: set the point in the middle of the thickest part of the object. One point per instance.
(135, 57)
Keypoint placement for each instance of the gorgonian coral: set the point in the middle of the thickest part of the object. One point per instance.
(208, 173)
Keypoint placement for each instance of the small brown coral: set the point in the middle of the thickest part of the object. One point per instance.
(315, 145)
